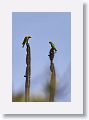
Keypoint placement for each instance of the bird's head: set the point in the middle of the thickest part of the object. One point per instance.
(29, 37)
(50, 42)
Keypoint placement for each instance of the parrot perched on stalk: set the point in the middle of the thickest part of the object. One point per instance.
(53, 46)
(25, 41)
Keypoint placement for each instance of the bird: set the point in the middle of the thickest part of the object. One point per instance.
(53, 46)
(25, 41)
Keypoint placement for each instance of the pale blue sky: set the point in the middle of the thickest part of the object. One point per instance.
(43, 27)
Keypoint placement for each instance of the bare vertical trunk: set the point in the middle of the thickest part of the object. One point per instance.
(28, 73)
(52, 83)
(53, 77)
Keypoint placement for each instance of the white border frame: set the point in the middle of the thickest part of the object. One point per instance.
(76, 104)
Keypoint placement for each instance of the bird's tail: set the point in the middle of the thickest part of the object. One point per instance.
(55, 50)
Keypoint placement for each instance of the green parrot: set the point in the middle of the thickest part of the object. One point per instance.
(25, 41)
(53, 46)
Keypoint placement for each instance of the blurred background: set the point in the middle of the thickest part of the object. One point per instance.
(43, 27)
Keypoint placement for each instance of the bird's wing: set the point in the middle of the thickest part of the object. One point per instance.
(53, 45)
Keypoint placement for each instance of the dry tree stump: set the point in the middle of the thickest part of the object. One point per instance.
(28, 74)
(53, 76)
